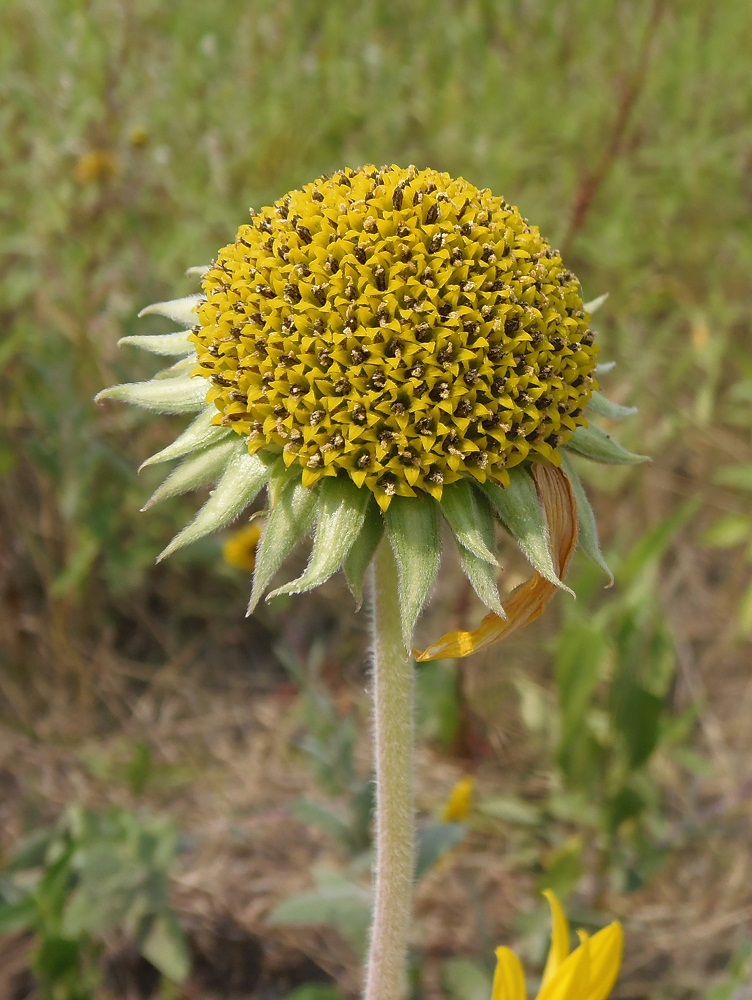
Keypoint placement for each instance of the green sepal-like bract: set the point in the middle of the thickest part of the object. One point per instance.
(178, 310)
(412, 526)
(606, 408)
(199, 434)
(168, 344)
(522, 514)
(243, 479)
(595, 444)
(201, 469)
(341, 512)
(594, 304)
(480, 573)
(465, 519)
(359, 557)
(292, 512)
(588, 529)
(163, 395)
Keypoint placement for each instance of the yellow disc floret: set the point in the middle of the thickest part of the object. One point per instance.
(399, 326)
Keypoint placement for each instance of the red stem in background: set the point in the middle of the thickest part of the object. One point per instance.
(593, 180)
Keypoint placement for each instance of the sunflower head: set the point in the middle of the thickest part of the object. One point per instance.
(379, 348)
(398, 327)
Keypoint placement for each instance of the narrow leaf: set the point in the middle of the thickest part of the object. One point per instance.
(199, 434)
(164, 945)
(165, 395)
(174, 344)
(594, 443)
(290, 518)
(413, 531)
(605, 408)
(586, 519)
(342, 510)
(434, 841)
(179, 310)
(465, 517)
(241, 481)
(200, 470)
(360, 555)
(520, 509)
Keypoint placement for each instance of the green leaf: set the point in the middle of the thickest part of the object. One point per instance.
(317, 815)
(521, 512)
(179, 310)
(20, 915)
(509, 809)
(199, 470)
(464, 979)
(471, 524)
(412, 527)
(738, 477)
(289, 519)
(434, 842)
(588, 528)
(626, 804)
(243, 479)
(343, 905)
(637, 714)
(199, 434)
(359, 557)
(163, 395)
(57, 956)
(728, 531)
(164, 945)
(341, 513)
(170, 344)
(612, 411)
(595, 444)
(579, 665)
(563, 867)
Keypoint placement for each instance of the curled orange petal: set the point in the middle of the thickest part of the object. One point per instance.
(528, 601)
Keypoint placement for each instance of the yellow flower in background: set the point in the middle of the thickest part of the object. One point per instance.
(459, 803)
(240, 548)
(382, 350)
(589, 972)
(96, 165)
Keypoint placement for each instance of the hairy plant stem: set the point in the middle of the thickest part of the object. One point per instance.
(393, 725)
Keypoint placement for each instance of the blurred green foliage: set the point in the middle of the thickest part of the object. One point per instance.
(90, 874)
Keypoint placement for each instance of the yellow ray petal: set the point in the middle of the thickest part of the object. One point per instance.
(509, 978)
(571, 979)
(528, 601)
(606, 948)
(559, 938)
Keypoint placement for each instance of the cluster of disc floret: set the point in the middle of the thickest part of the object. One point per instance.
(399, 326)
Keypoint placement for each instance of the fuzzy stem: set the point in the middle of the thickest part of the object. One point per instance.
(393, 698)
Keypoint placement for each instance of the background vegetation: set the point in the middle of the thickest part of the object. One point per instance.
(182, 788)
